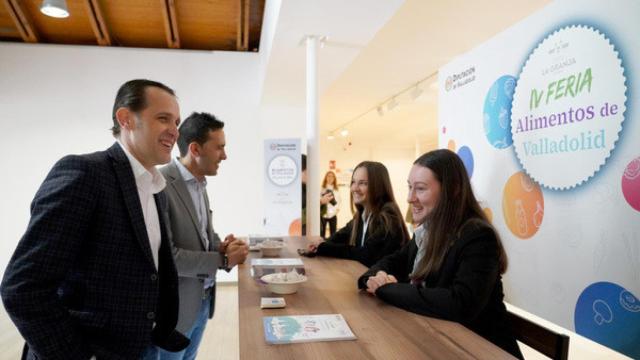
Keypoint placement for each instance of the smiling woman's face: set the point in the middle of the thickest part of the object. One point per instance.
(424, 192)
(331, 179)
(360, 186)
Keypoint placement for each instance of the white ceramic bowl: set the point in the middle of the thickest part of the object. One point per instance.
(278, 286)
(271, 250)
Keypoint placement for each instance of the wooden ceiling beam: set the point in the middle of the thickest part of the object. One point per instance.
(170, 23)
(22, 22)
(98, 24)
(245, 34)
(240, 28)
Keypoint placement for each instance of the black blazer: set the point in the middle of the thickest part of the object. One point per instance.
(377, 244)
(82, 280)
(467, 289)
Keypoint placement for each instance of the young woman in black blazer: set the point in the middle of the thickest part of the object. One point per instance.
(452, 268)
(377, 228)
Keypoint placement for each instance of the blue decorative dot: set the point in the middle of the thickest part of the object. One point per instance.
(497, 112)
(467, 159)
(609, 314)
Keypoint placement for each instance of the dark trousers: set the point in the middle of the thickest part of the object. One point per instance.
(333, 224)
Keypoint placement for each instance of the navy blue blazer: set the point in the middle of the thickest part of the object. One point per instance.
(82, 280)
(467, 288)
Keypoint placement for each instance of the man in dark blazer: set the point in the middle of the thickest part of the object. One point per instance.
(93, 276)
(198, 251)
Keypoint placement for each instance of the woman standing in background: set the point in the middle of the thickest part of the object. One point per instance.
(329, 204)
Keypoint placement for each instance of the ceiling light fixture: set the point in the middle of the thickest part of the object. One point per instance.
(416, 92)
(54, 8)
(392, 104)
(330, 137)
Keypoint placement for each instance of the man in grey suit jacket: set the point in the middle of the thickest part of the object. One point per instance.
(198, 251)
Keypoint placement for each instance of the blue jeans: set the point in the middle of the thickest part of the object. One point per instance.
(194, 334)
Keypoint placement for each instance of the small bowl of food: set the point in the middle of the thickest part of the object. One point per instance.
(283, 283)
(271, 248)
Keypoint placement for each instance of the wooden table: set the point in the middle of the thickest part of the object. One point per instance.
(383, 331)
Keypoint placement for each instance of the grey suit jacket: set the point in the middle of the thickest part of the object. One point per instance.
(194, 262)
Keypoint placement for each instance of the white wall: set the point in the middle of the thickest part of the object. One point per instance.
(57, 100)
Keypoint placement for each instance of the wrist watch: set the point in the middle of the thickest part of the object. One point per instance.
(225, 262)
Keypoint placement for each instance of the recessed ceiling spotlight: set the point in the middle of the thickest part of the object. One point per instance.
(344, 132)
(416, 92)
(54, 8)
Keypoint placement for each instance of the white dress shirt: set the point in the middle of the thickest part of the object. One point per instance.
(421, 239)
(148, 184)
(365, 224)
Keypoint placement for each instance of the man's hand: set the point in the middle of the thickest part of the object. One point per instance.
(235, 249)
(227, 240)
(381, 278)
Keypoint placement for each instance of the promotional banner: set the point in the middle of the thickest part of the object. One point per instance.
(282, 187)
(545, 116)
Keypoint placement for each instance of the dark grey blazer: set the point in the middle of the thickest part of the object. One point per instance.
(82, 280)
(194, 262)
(377, 244)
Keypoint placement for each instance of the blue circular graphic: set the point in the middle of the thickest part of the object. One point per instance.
(609, 314)
(497, 112)
(467, 159)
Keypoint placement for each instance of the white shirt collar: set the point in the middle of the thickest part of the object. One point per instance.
(365, 216)
(150, 180)
(365, 225)
(420, 233)
(186, 174)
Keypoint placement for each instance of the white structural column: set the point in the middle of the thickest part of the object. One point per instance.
(313, 142)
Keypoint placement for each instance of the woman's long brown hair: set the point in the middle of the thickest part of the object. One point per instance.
(383, 209)
(457, 208)
(335, 180)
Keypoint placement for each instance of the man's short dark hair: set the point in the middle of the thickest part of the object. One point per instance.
(132, 95)
(196, 128)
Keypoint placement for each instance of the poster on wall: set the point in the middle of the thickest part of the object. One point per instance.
(282, 187)
(544, 117)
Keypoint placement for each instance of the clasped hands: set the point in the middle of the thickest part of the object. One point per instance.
(235, 249)
(381, 278)
(313, 244)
